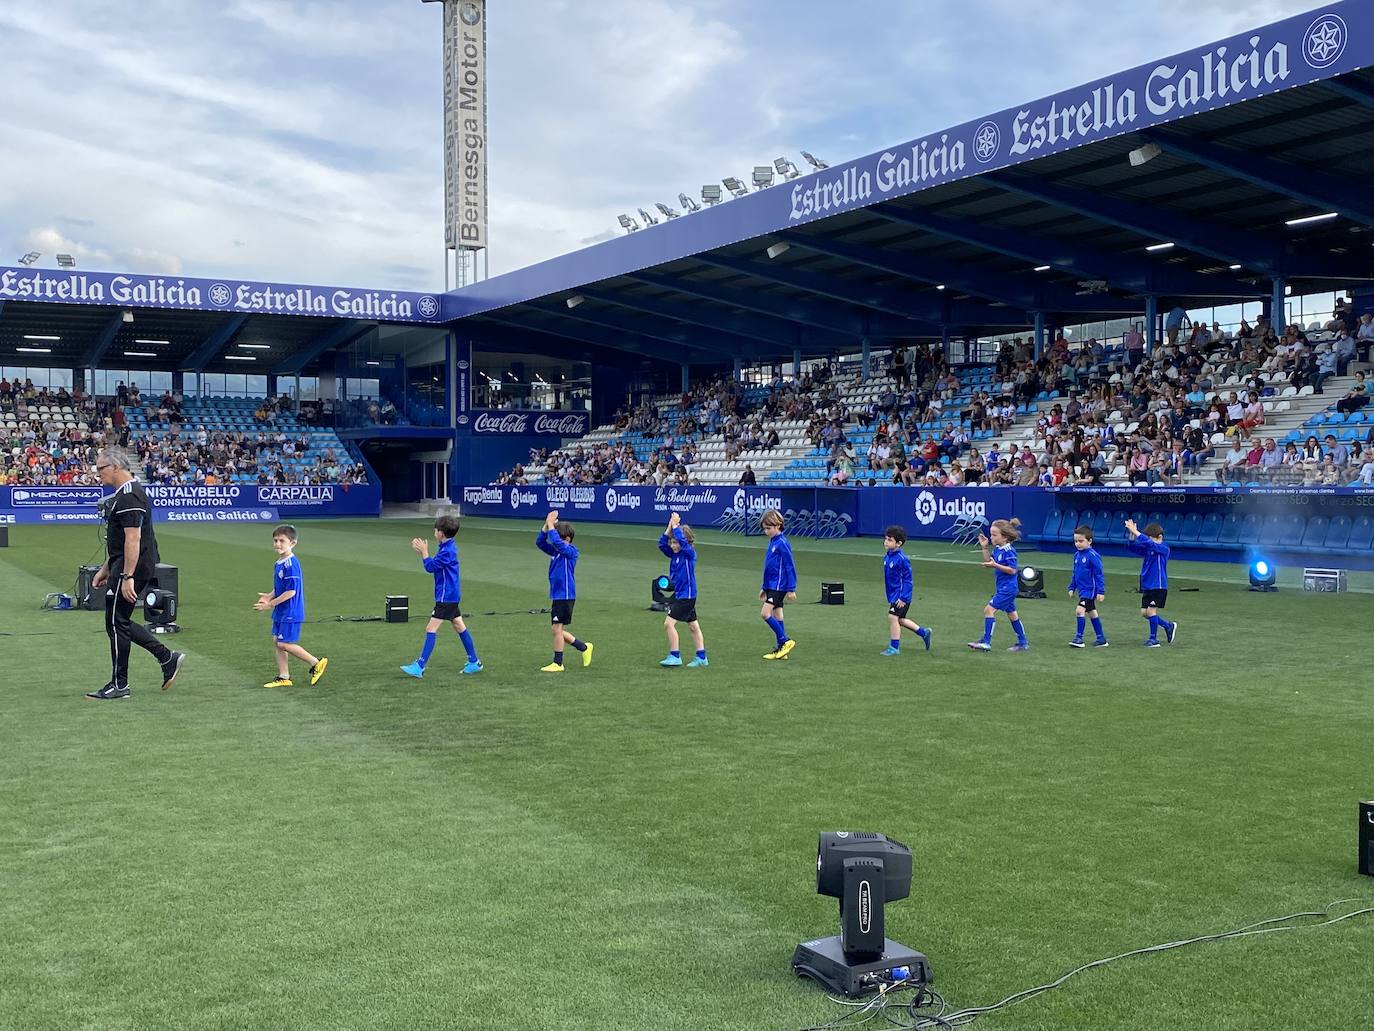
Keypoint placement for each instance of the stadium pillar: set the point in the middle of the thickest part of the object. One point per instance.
(737, 369)
(796, 363)
(1278, 307)
(863, 367)
(944, 341)
(1151, 322)
(686, 379)
(1039, 334)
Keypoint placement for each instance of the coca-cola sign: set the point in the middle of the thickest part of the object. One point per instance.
(544, 424)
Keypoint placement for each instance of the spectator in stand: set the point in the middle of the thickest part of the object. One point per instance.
(1364, 337)
(1356, 397)
(747, 478)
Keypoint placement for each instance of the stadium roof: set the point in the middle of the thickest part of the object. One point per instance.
(954, 230)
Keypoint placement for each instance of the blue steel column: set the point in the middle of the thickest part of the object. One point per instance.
(1039, 334)
(863, 366)
(1151, 322)
(686, 379)
(796, 363)
(944, 341)
(1278, 307)
(737, 369)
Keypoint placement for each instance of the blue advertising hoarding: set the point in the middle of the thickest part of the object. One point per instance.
(232, 503)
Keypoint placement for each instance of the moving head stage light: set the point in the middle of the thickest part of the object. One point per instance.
(864, 871)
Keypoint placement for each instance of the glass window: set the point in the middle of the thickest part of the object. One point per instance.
(255, 385)
(362, 388)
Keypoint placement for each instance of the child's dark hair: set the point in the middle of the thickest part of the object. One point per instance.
(447, 525)
(1008, 528)
(1154, 530)
(897, 533)
(565, 530)
(772, 518)
(285, 530)
(1085, 531)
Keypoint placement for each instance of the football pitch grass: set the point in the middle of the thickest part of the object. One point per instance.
(623, 846)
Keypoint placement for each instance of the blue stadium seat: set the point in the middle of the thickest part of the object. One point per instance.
(1085, 517)
(1293, 528)
(1314, 532)
(1211, 529)
(1190, 529)
(1103, 522)
(1231, 527)
(1173, 524)
(1271, 529)
(1361, 534)
(1338, 535)
(1053, 521)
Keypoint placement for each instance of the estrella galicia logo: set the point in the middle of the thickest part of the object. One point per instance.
(987, 141)
(429, 307)
(462, 363)
(220, 295)
(267, 515)
(470, 13)
(925, 508)
(1325, 41)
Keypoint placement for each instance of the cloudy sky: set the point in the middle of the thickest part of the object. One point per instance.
(300, 140)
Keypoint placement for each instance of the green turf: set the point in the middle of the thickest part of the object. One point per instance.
(629, 847)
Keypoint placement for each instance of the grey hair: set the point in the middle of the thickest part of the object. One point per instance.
(119, 458)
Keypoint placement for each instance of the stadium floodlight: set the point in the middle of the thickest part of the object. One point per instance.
(255, 347)
(1160, 247)
(373, 361)
(865, 871)
(40, 336)
(66, 261)
(735, 186)
(1264, 576)
(1307, 220)
(814, 161)
(1145, 154)
(1041, 268)
(1234, 268)
(774, 250)
(763, 177)
(140, 354)
(30, 258)
(667, 211)
(628, 224)
(710, 195)
(574, 300)
(34, 350)
(160, 611)
(786, 168)
(687, 203)
(240, 358)
(649, 219)
(1030, 582)
(149, 340)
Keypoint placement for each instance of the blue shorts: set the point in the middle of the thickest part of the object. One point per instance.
(286, 633)
(1003, 602)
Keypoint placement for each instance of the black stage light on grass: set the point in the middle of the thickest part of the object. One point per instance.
(1030, 582)
(660, 590)
(160, 611)
(864, 871)
(1264, 576)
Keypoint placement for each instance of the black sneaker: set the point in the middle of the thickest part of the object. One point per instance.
(171, 668)
(108, 693)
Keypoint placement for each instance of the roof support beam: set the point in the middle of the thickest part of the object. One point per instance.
(340, 336)
(1352, 89)
(670, 333)
(102, 343)
(1136, 275)
(756, 331)
(214, 343)
(593, 336)
(1316, 188)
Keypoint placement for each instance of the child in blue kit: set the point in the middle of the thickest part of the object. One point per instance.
(779, 582)
(1089, 584)
(679, 544)
(898, 585)
(555, 540)
(1154, 579)
(1001, 536)
(287, 604)
(448, 592)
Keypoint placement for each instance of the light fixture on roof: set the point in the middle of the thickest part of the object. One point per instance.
(140, 354)
(687, 203)
(786, 169)
(240, 358)
(1234, 268)
(667, 211)
(736, 188)
(710, 194)
(373, 361)
(940, 287)
(256, 347)
(127, 315)
(1309, 219)
(763, 177)
(1160, 247)
(575, 300)
(1042, 268)
(628, 224)
(30, 258)
(66, 261)
(649, 219)
(1143, 155)
(34, 350)
(814, 161)
(776, 249)
(146, 340)
(39, 336)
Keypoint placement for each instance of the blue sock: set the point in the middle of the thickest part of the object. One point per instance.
(675, 654)
(579, 645)
(1154, 627)
(1020, 631)
(895, 644)
(558, 658)
(1082, 622)
(776, 626)
(989, 625)
(466, 638)
(427, 650)
(701, 653)
(1097, 629)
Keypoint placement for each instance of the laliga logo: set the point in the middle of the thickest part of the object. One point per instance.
(1325, 41)
(925, 508)
(519, 497)
(987, 141)
(614, 501)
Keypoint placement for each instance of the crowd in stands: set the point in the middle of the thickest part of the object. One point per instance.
(53, 437)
